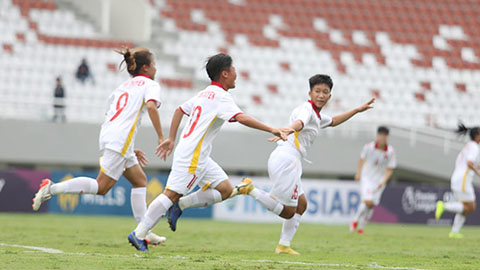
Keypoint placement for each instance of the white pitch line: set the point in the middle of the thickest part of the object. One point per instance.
(372, 265)
(57, 251)
(47, 250)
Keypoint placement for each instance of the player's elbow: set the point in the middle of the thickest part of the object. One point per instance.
(241, 118)
(152, 105)
(334, 122)
(470, 164)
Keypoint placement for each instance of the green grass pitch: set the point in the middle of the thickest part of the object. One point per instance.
(98, 242)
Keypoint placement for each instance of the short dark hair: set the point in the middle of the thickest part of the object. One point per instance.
(216, 64)
(383, 130)
(319, 79)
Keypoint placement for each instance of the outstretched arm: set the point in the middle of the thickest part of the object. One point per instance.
(165, 148)
(338, 119)
(253, 123)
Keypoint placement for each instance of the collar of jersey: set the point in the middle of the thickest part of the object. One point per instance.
(315, 109)
(218, 84)
(143, 75)
(384, 149)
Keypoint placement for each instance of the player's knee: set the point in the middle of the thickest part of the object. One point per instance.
(369, 204)
(469, 208)
(288, 212)
(302, 207)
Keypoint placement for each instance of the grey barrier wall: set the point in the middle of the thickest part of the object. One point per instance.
(236, 148)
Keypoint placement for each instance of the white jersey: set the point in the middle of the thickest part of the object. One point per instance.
(207, 112)
(462, 176)
(312, 121)
(126, 105)
(376, 161)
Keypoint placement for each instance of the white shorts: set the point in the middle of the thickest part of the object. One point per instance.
(464, 196)
(210, 176)
(370, 192)
(113, 164)
(285, 170)
(463, 191)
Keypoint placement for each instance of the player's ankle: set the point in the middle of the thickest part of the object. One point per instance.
(285, 243)
(254, 193)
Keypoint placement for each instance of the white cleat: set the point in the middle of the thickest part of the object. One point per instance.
(42, 194)
(244, 188)
(153, 239)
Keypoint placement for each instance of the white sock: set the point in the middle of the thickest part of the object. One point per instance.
(138, 200)
(80, 184)
(361, 211)
(155, 212)
(200, 198)
(454, 207)
(458, 223)
(268, 202)
(364, 218)
(289, 228)
(369, 213)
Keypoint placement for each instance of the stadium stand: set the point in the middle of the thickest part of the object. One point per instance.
(421, 61)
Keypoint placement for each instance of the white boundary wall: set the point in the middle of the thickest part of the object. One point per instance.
(122, 19)
(236, 148)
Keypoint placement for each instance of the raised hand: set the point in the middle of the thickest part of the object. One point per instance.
(366, 106)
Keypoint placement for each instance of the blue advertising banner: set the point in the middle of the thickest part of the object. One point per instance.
(416, 204)
(115, 202)
(329, 201)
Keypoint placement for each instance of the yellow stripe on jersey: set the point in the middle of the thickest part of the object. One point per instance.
(132, 131)
(297, 143)
(198, 149)
(206, 186)
(464, 180)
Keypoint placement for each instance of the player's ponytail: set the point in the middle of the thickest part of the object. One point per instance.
(463, 130)
(135, 59)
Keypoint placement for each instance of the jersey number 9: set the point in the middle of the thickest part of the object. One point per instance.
(120, 106)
